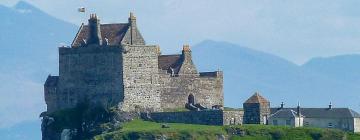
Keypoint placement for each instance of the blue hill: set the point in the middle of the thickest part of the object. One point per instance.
(247, 71)
(28, 53)
(342, 67)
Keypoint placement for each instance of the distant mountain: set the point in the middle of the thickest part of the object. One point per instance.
(247, 71)
(29, 38)
(343, 67)
(28, 53)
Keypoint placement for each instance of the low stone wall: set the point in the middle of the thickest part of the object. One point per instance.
(233, 117)
(209, 117)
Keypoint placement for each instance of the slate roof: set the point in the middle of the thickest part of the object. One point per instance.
(284, 113)
(324, 112)
(113, 32)
(51, 81)
(167, 61)
(256, 98)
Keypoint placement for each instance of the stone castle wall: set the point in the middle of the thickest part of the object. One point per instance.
(90, 73)
(141, 86)
(128, 76)
(207, 90)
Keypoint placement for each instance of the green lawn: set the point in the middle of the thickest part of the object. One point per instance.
(139, 129)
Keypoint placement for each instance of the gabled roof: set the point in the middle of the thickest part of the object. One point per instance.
(284, 113)
(51, 81)
(113, 32)
(170, 61)
(256, 98)
(324, 112)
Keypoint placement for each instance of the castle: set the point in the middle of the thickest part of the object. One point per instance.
(111, 65)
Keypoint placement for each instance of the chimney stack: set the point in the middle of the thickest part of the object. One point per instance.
(282, 105)
(298, 110)
(132, 19)
(330, 106)
(94, 36)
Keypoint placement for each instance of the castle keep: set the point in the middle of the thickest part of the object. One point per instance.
(111, 65)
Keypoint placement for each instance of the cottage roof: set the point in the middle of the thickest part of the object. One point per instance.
(256, 98)
(113, 32)
(284, 113)
(324, 112)
(170, 61)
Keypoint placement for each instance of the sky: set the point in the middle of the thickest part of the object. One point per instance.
(292, 29)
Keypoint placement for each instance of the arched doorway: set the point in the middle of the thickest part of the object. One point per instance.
(191, 99)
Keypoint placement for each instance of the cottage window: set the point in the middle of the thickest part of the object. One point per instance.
(306, 123)
(330, 125)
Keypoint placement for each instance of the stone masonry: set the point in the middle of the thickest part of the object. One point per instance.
(256, 110)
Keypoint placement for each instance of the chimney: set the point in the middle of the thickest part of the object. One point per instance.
(94, 36)
(132, 19)
(298, 110)
(132, 24)
(330, 106)
(282, 105)
(186, 52)
(186, 48)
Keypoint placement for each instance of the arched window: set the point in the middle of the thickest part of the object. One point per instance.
(191, 99)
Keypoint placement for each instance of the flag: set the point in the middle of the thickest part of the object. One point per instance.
(81, 9)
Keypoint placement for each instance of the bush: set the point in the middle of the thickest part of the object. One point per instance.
(277, 134)
(316, 135)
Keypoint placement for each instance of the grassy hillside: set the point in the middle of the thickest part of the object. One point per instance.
(139, 129)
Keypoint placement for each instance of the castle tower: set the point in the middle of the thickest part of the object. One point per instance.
(256, 109)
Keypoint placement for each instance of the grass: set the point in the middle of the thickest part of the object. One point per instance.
(139, 129)
(139, 125)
